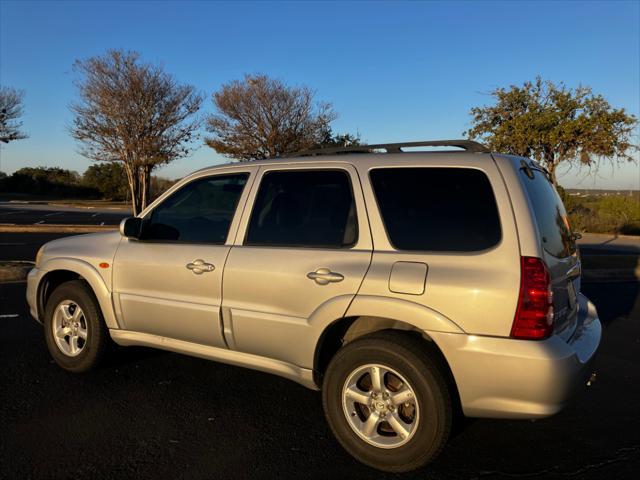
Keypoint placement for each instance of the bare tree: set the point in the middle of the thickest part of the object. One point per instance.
(135, 113)
(11, 101)
(261, 117)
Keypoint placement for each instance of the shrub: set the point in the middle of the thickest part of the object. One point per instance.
(606, 214)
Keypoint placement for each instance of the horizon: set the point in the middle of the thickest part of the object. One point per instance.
(389, 93)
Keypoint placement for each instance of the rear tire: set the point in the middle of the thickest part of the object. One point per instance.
(74, 328)
(405, 422)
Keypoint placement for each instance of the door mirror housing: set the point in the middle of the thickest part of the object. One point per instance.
(130, 227)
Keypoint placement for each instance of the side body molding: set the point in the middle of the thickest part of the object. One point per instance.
(92, 277)
(419, 316)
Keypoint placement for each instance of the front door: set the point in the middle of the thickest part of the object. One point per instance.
(304, 243)
(169, 283)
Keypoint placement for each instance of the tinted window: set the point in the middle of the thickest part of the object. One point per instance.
(200, 212)
(550, 214)
(312, 208)
(441, 209)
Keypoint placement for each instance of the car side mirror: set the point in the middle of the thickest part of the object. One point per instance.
(130, 227)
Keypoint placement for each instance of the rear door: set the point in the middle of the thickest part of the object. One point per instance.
(558, 247)
(304, 242)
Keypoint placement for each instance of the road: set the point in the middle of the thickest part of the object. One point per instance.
(153, 414)
(24, 246)
(39, 214)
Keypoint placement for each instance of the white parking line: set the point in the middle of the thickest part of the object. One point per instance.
(8, 315)
(38, 223)
(95, 215)
(54, 213)
(101, 223)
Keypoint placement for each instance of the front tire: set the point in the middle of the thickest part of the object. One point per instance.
(387, 402)
(74, 328)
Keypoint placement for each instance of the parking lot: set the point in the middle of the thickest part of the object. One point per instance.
(42, 213)
(154, 414)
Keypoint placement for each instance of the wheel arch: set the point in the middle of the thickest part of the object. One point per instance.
(347, 329)
(61, 270)
(368, 314)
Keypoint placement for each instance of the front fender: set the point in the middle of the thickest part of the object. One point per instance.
(92, 277)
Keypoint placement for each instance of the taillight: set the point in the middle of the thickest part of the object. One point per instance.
(534, 315)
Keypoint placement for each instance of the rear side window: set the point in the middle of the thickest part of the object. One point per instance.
(310, 208)
(437, 209)
(550, 214)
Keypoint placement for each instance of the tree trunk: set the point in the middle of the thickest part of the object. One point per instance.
(131, 178)
(146, 185)
(139, 177)
(551, 168)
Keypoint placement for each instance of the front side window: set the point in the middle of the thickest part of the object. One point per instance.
(304, 208)
(437, 209)
(199, 212)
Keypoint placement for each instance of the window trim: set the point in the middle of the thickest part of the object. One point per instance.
(435, 252)
(263, 174)
(236, 214)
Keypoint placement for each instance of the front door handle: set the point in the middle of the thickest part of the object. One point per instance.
(323, 276)
(199, 267)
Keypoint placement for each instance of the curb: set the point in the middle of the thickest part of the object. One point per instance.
(54, 228)
(14, 271)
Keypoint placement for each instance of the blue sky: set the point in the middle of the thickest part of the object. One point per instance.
(393, 70)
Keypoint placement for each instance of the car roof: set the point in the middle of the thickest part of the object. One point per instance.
(351, 159)
(367, 154)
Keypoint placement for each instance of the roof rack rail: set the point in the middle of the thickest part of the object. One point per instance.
(468, 145)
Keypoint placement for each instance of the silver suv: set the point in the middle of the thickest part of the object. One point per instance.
(407, 286)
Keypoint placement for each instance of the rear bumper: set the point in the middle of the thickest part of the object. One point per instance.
(508, 378)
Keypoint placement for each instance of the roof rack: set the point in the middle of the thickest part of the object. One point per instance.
(468, 145)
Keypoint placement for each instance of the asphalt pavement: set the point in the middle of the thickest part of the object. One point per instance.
(24, 246)
(153, 414)
(43, 214)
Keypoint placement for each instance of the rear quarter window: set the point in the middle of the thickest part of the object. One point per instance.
(550, 215)
(437, 209)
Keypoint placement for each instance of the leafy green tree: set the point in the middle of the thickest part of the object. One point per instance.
(330, 139)
(50, 181)
(553, 124)
(109, 179)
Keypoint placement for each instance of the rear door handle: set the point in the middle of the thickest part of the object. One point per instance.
(199, 267)
(323, 276)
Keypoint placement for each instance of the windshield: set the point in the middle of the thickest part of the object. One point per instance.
(550, 214)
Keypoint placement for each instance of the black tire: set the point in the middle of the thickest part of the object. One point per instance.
(407, 356)
(97, 338)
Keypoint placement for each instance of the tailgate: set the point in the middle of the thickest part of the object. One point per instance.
(565, 283)
(558, 247)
